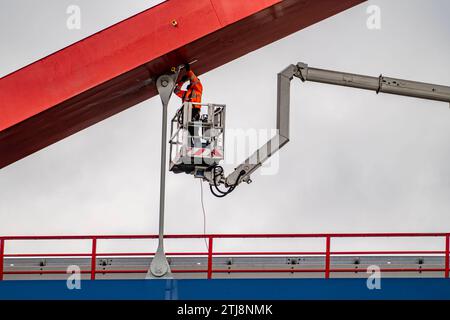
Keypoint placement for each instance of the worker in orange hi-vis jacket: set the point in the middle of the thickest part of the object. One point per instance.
(193, 93)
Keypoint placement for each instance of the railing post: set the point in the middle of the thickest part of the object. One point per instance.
(93, 258)
(447, 253)
(327, 257)
(2, 252)
(210, 256)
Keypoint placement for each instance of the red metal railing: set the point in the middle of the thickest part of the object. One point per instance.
(2, 254)
(327, 253)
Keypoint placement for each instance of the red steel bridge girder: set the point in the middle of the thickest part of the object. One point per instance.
(109, 71)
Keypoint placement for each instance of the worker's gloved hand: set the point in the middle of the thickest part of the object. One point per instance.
(184, 78)
(187, 66)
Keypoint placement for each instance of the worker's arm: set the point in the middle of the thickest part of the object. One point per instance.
(178, 90)
(195, 82)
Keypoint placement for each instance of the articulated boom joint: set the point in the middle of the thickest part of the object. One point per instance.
(215, 175)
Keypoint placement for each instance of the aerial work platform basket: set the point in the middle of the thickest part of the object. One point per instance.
(197, 142)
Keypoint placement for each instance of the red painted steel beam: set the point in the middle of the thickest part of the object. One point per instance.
(109, 71)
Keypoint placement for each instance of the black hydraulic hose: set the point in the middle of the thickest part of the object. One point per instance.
(215, 189)
(180, 116)
(215, 194)
(215, 183)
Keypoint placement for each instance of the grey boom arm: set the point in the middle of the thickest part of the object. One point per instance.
(305, 73)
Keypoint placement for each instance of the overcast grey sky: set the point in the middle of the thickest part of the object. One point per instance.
(356, 162)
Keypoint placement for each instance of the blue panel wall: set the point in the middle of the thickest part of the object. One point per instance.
(286, 289)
